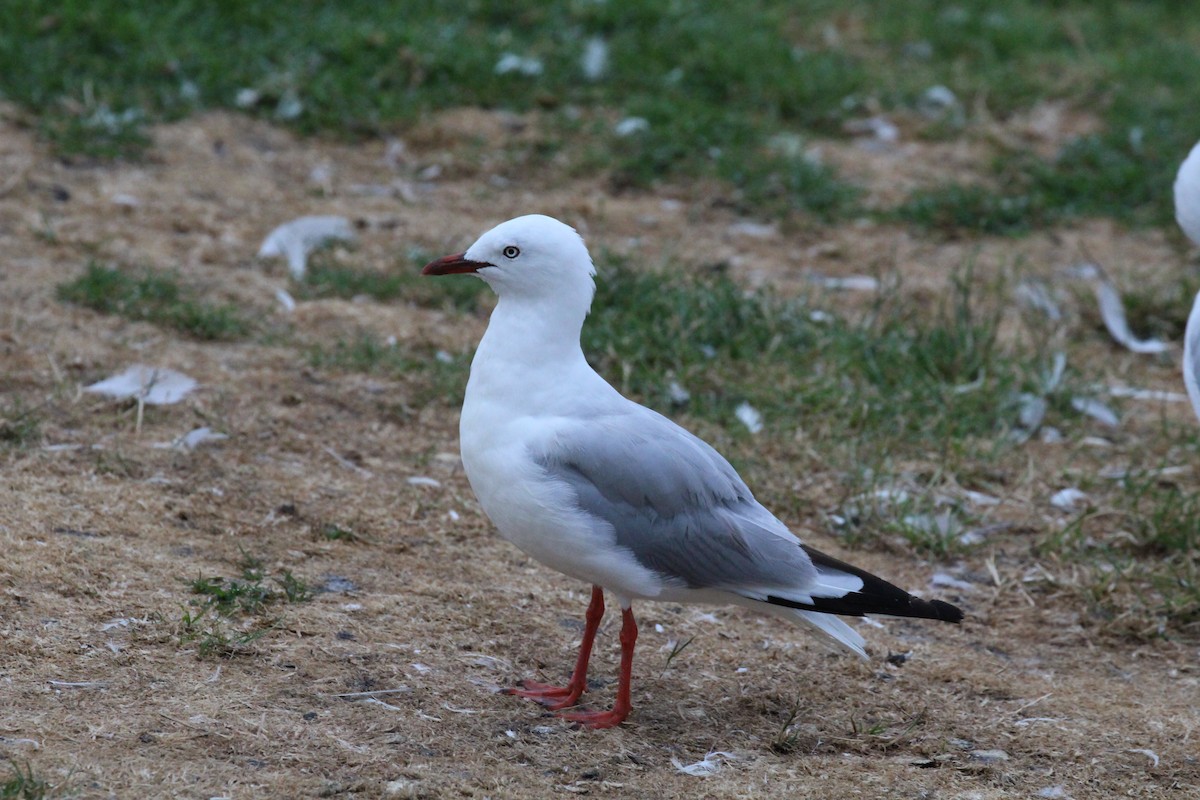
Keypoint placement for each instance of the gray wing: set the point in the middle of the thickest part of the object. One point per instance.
(676, 504)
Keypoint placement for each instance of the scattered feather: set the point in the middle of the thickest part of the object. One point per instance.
(295, 240)
(854, 283)
(1112, 311)
(989, 756)
(1053, 379)
(78, 684)
(749, 416)
(946, 580)
(373, 693)
(286, 300)
(1153, 756)
(709, 765)
(787, 144)
(942, 525)
(337, 584)
(289, 106)
(977, 535)
(422, 480)
(938, 102)
(879, 128)
(754, 230)
(1116, 473)
(1051, 435)
(246, 98)
(1152, 395)
(1035, 295)
(125, 201)
(1068, 499)
(350, 465)
(1053, 792)
(375, 701)
(522, 65)
(679, 396)
(1031, 411)
(33, 742)
(981, 499)
(194, 438)
(631, 125)
(1096, 410)
(594, 61)
(489, 662)
(150, 385)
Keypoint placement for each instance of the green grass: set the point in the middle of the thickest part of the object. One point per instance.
(956, 209)
(23, 784)
(328, 278)
(1163, 521)
(232, 612)
(333, 532)
(157, 298)
(441, 375)
(897, 371)
(716, 83)
(20, 425)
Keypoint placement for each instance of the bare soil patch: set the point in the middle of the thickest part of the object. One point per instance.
(104, 695)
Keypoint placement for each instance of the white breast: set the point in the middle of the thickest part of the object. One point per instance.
(537, 514)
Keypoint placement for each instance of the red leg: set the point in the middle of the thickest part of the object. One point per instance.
(620, 709)
(557, 697)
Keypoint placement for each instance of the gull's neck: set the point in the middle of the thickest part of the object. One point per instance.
(530, 355)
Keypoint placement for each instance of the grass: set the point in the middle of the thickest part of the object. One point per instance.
(231, 612)
(329, 278)
(955, 209)
(716, 84)
(1164, 521)
(20, 426)
(896, 372)
(157, 298)
(23, 784)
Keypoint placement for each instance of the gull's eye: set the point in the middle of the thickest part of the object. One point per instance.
(511, 251)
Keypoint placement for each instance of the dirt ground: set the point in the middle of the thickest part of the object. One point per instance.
(102, 530)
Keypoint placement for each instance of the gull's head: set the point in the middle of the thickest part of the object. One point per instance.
(1187, 195)
(532, 257)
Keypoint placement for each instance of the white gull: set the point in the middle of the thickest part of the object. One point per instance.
(1187, 214)
(612, 493)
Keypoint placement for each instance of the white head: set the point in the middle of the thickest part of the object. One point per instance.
(534, 257)
(1187, 195)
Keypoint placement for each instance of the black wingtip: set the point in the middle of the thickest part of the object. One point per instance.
(947, 612)
(877, 596)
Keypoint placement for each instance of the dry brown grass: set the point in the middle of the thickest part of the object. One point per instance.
(103, 695)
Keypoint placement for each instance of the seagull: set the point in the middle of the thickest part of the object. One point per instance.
(1187, 214)
(612, 493)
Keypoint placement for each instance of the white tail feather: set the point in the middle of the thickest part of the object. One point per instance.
(833, 628)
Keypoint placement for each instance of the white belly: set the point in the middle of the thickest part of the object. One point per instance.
(541, 516)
